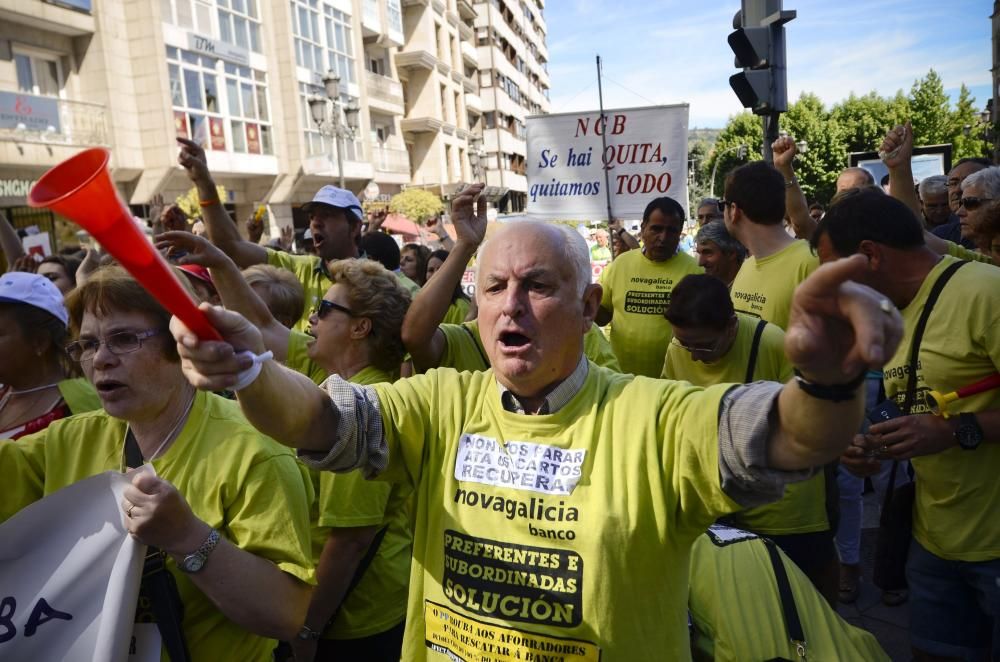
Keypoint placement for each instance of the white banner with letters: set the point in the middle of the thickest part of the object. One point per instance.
(69, 575)
(645, 157)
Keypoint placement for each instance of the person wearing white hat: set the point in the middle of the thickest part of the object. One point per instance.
(335, 219)
(37, 384)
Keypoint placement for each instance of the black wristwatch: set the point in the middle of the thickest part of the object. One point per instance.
(968, 434)
(308, 634)
(831, 392)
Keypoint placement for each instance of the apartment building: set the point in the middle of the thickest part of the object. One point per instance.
(514, 83)
(238, 76)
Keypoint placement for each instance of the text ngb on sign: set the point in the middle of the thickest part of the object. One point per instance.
(645, 157)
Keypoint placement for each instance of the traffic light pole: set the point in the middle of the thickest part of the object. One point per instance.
(770, 135)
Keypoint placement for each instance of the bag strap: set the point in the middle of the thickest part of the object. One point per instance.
(359, 572)
(164, 598)
(793, 625)
(754, 348)
(918, 336)
(475, 342)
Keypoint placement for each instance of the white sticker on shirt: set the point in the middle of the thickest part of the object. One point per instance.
(145, 645)
(519, 465)
(723, 535)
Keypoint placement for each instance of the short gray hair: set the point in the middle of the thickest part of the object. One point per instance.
(717, 233)
(987, 179)
(576, 252)
(933, 185)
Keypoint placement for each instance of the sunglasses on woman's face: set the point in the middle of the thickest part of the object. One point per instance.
(972, 203)
(325, 307)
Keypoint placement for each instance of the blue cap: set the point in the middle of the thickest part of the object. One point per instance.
(34, 290)
(336, 197)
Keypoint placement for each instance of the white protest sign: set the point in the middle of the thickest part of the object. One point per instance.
(69, 575)
(645, 158)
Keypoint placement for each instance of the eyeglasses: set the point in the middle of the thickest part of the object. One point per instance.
(124, 342)
(714, 347)
(325, 307)
(972, 203)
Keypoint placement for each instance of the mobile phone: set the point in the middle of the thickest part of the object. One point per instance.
(884, 411)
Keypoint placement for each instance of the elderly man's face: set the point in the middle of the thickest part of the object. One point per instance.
(972, 215)
(707, 213)
(851, 178)
(955, 179)
(723, 266)
(531, 315)
(935, 208)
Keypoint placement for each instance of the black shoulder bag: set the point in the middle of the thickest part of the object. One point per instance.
(793, 624)
(895, 526)
(158, 586)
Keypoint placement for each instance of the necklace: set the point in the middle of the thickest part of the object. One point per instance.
(11, 392)
(166, 440)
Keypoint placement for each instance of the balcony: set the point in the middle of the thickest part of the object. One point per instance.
(384, 93)
(417, 59)
(466, 10)
(79, 123)
(421, 125)
(371, 19)
(465, 32)
(473, 103)
(386, 159)
(469, 53)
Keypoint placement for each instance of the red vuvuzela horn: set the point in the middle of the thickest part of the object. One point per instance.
(80, 188)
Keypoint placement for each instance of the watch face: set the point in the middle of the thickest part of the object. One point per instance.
(193, 563)
(969, 434)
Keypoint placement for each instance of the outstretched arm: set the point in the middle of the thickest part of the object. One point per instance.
(221, 229)
(10, 243)
(838, 330)
(234, 290)
(423, 339)
(796, 207)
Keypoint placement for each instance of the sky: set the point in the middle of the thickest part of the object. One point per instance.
(675, 51)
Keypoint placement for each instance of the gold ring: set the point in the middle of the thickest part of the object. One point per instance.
(129, 511)
(886, 306)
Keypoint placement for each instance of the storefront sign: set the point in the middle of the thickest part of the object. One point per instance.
(216, 48)
(15, 188)
(35, 113)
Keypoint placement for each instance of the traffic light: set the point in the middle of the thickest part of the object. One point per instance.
(758, 42)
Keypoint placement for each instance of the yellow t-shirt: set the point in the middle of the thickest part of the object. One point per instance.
(79, 395)
(763, 288)
(297, 357)
(464, 350)
(535, 534)
(963, 253)
(637, 291)
(311, 272)
(411, 285)
(958, 491)
(737, 612)
(240, 482)
(803, 507)
(378, 602)
(457, 311)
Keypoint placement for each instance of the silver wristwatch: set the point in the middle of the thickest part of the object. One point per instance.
(196, 560)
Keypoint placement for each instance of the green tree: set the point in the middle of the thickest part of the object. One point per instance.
(929, 111)
(817, 168)
(743, 129)
(698, 152)
(416, 204)
(967, 128)
(864, 120)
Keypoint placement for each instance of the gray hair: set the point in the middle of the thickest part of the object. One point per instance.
(987, 179)
(710, 201)
(933, 185)
(717, 233)
(576, 252)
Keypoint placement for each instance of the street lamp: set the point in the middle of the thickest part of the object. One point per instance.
(477, 159)
(741, 153)
(340, 123)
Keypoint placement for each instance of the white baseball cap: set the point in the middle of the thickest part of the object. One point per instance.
(336, 197)
(34, 290)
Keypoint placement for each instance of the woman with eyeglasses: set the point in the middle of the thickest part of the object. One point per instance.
(227, 510)
(358, 608)
(38, 382)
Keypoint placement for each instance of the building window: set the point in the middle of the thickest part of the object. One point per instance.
(218, 104)
(322, 45)
(394, 13)
(239, 23)
(38, 74)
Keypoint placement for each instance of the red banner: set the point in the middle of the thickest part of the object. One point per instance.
(218, 134)
(180, 124)
(253, 139)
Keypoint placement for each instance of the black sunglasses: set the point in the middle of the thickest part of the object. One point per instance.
(325, 307)
(972, 203)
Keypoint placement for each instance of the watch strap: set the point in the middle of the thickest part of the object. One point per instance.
(831, 392)
(202, 552)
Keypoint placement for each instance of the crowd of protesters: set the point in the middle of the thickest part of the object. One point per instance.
(664, 464)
